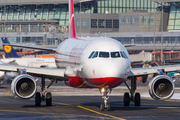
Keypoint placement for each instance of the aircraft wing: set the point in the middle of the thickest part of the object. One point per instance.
(151, 70)
(32, 47)
(48, 72)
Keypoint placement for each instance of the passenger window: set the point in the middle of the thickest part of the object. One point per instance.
(115, 54)
(91, 55)
(104, 54)
(123, 55)
(95, 55)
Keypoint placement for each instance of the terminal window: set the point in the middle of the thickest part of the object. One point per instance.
(115, 23)
(128, 20)
(85, 23)
(151, 20)
(135, 20)
(143, 20)
(109, 23)
(101, 23)
(93, 23)
(77, 23)
(122, 20)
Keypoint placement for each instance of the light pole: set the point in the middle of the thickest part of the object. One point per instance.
(162, 35)
(5, 20)
(80, 20)
(154, 28)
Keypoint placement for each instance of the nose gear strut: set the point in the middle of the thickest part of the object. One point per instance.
(105, 104)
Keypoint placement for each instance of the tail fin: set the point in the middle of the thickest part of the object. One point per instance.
(9, 50)
(72, 33)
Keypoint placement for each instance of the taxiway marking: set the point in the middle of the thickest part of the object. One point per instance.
(107, 115)
(100, 113)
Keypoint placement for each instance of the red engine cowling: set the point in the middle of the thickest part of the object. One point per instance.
(161, 87)
(76, 82)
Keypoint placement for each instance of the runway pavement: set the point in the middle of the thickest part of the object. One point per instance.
(73, 103)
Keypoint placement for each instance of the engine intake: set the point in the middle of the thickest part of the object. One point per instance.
(161, 87)
(23, 86)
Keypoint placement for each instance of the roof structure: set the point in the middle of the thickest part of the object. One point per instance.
(36, 2)
(166, 0)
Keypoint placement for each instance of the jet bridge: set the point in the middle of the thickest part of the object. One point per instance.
(141, 57)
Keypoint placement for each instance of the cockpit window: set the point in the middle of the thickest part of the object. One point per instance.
(95, 55)
(91, 55)
(104, 54)
(115, 54)
(123, 54)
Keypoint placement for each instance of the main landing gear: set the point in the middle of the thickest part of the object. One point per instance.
(43, 95)
(134, 97)
(105, 104)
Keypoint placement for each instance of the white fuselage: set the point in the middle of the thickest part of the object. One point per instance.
(98, 71)
(33, 62)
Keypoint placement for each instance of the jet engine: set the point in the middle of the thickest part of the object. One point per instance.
(161, 87)
(23, 86)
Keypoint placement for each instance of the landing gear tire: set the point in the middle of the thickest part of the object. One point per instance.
(102, 106)
(38, 99)
(126, 99)
(137, 99)
(108, 106)
(48, 99)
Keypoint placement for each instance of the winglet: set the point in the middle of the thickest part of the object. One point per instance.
(72, 33)
(9, 50)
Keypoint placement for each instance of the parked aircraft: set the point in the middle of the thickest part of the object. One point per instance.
(11, 57)
(90, 62)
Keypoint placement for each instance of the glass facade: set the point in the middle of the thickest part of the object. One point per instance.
(148, 40)
(121, 6)
(174, 16)
(60, 11)
(43, 12)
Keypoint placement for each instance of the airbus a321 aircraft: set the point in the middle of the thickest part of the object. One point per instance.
(90, 62)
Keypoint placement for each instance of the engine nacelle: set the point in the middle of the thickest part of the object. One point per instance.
(161, 87)
(23, 86)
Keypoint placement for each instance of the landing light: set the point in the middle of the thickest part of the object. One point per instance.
(102, 90)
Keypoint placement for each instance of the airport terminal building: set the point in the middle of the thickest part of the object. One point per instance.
(46, 22)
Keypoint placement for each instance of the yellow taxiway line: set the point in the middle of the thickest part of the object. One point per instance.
(117, 118)
(107, 115)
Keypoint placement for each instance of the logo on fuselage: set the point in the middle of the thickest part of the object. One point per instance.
(7, 48)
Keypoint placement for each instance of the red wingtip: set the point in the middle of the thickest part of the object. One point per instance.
(72, 33)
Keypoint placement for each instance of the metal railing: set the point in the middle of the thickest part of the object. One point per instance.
(33, 28)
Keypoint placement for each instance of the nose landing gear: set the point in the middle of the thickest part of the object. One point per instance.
(105, 104)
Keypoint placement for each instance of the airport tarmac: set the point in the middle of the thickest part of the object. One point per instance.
(73, 103)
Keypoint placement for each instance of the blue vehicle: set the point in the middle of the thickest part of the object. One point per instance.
(173, 74)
